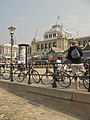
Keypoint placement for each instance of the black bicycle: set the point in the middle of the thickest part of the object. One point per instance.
(47, 77)
(61, 77)
(21, 75)
(64, 78)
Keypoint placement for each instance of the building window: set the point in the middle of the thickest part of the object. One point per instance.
(46, 36)
(49, 45)
(42, 46)
(38, 47)
(54, 34)
(45, 45)
(50, 35)
(54, 44)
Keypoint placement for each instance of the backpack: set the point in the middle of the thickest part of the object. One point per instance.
(75, 54)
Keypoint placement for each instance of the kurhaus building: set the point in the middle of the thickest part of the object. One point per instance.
(56, 37)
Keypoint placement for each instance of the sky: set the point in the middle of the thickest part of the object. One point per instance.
(27, 16)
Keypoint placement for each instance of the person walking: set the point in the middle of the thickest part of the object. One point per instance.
(74, 55)
(58, 64)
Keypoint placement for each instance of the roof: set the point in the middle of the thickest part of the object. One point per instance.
(9, 45)
(55, 50)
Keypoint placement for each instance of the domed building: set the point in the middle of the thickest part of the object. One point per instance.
(56, 37)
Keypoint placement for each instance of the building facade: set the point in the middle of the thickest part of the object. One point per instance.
(5, 52)
(82, 41)
(57, 37)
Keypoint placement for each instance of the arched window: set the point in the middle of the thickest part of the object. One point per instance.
(38, 47)
(42, 46)
(50, 45)
(54, 44)
(45, 45)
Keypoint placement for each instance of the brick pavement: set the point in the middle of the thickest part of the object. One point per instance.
(13, 107)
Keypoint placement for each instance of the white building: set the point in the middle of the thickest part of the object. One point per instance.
(57, 37)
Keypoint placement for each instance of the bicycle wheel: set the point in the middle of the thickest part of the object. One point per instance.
(64, 79)
(19, 75)
(6, 75)
(86, 83)
(35, 76)
(47, 78)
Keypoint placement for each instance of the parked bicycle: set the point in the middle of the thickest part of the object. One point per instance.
(4, 73)
(20, 74)
(47, 77)
(64, 78)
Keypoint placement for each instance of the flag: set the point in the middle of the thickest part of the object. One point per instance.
(58, 17)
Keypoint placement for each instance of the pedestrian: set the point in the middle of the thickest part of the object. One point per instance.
(58, 64)
(75, 54)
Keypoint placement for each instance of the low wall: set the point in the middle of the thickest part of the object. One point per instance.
(73, 103)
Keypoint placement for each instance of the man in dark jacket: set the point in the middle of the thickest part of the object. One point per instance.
(76, 63)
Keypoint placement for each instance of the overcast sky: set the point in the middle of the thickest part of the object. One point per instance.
(27, 16)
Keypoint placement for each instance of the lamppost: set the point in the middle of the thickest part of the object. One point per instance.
(11, 30)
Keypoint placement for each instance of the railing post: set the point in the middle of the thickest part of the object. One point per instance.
(54, 85)
(89, 77)
(29, 80)
(0, 71)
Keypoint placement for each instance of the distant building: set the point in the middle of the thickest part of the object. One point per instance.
(5, 51)
(82, 41)
(57, 37)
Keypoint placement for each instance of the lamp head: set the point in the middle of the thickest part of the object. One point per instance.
(11, 29)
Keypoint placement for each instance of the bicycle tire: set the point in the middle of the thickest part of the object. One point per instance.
(35, 76)
(86, 83)
(64, 79)
(6, 75)
(47, 78)
(19, 75)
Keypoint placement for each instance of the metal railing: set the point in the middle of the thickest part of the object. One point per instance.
(49, 74)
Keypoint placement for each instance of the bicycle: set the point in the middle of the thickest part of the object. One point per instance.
(67, 78)
(20, 75)
(47, 77)
(64, 78)
(51, 77)
(4, 73)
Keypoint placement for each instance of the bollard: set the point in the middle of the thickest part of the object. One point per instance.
(54, 85)
(89, 77)
(29, 80)
(11, 72)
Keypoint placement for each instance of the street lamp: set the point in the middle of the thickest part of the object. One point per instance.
(11, 30)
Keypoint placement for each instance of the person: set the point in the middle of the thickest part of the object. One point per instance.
(58, 64)
(77, 65)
